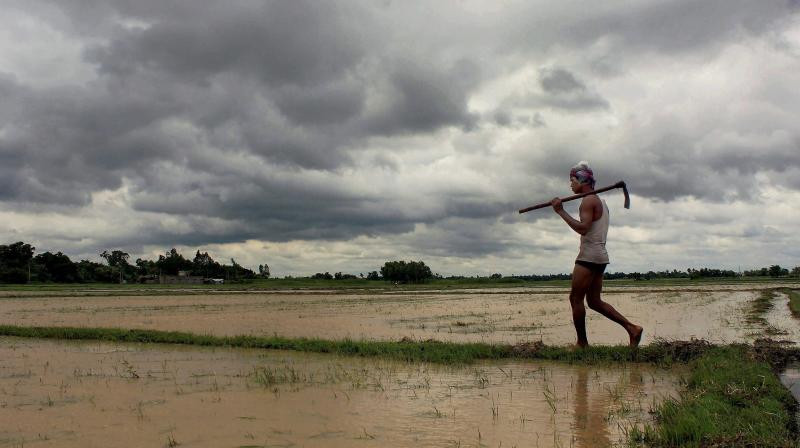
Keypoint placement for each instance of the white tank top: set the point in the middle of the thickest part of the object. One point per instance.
(593, 244)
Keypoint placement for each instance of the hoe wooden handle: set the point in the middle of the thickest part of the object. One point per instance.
(620, 184)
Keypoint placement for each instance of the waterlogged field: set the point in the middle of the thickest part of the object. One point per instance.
(92, 394)
(105, 394)
(716, 313)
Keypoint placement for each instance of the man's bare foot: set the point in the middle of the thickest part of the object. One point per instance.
(636, 335)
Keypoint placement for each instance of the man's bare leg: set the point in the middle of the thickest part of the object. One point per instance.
(581, 281)
(595, 303)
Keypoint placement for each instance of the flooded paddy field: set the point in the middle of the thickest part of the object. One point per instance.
(93, 394)
(712, 312)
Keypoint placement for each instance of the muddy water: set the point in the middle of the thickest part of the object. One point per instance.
(90, 394)
(780, 318)
(716, 315)
(58, 290)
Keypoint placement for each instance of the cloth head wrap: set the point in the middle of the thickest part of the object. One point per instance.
(583, 173)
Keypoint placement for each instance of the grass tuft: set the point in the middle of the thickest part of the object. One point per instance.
(730, 400)
(794, 301)
(758, 308)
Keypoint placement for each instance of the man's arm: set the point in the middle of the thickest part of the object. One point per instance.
(586, 212)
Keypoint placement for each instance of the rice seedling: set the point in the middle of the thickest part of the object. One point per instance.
(550, 398)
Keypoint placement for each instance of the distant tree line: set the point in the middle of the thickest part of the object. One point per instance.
(336, 276)
(691, 273)
(772, 271)
(19, 265)
(393, 271)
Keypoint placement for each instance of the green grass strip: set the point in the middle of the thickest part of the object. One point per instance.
(430, 351)
(794, 301)
(663, 353)
(730, 400)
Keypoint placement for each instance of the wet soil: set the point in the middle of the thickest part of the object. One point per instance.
(715, 314)
(91, 394)
(780, 320)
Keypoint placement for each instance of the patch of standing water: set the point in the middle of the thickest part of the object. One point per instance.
(67, 393)
(790, 378)
(780, 318)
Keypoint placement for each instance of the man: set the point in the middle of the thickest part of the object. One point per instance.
(587, 276)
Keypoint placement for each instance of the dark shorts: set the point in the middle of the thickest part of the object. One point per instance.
(596, 268)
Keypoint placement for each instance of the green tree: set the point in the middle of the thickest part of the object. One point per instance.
(15, 262)
(172, 262)
(238, 272)
(146, 267)
(406, 272)
(119, 260)
(91, 271)
(204, 265)
(115, 258)
(775, 270)
(56, 267)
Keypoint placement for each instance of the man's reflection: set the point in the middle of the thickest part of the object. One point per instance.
(590, 427)
(591, 422)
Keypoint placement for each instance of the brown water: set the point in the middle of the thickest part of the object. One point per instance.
(713, 314)
(90, 394)
(780, 318)
(57, 290)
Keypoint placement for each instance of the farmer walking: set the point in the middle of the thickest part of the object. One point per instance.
(587, 276)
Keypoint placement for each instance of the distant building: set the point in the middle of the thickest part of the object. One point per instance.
(214, 281)
(183, 278)
(149, 279)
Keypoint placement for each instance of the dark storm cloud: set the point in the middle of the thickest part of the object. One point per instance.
(283, 210)
(560, 90)
(564, 91)
(282, 80)
(334, 103)
(232, 111)
(632, 29)
(559, 80)
(464, 237)
(422, 99)
(301, 43)
(60, 144)
(701, 163)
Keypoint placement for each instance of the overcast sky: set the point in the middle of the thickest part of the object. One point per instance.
(334, 136)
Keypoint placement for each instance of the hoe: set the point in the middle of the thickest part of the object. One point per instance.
(620, 184)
